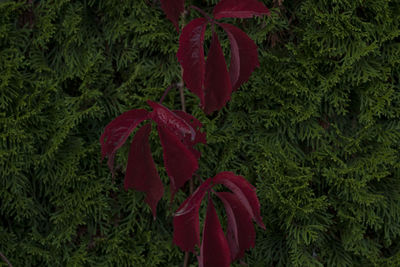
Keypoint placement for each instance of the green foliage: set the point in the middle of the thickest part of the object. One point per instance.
(317, 130)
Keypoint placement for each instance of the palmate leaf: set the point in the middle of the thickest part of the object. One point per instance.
(242, 206)
(210, 81)
(178, 139)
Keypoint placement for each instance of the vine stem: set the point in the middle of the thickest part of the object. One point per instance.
(181, 87)
(5, 259)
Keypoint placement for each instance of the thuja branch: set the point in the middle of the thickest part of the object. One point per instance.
(5, 259)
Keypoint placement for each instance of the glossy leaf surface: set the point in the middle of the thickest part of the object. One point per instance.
(214, 250)
(239, 9)
(186, 220)
(117, 131)
(168, 119)
(191, 56)
(196, 125)
(240, 232)
(141, 173)
(240, 207)
(245, 192)
(244, 56)
(173, 9)
(218, 86)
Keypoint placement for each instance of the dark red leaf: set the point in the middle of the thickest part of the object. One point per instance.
(173, 9)
(244, 191)
(239, 9)
(166, 118)
(191, 56)
(214, 250)
(179, 161)
(244, 57)
(217, 85)
(141, 173)
(186, 220)
(117, 131)
(240, 232)
(196, 125)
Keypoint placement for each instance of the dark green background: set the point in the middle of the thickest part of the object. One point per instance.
(316, 130)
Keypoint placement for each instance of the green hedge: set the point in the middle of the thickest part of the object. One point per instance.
(317, 130)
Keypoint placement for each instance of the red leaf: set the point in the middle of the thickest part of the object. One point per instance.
(196, 125)
(186, 220)
(179, 161)
(239, 9)
(117, 131)
(217, 85)
(141, 173)
(244, 191)
(166, 118)
(173, 9)
(240, 232)
(214, 250)
(244, 57)
(191, 56)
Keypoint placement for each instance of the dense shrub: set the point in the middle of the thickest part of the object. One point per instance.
(317, 130)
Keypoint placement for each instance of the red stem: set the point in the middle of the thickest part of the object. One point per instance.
(208, 17)
(5, 259)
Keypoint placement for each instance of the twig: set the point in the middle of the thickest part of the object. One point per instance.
(5, 259)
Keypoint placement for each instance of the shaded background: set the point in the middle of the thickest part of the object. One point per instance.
(316, 130)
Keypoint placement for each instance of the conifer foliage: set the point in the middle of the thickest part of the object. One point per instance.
(315, 129)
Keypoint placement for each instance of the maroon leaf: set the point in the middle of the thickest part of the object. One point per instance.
(173, 9)
(214, 250)
(186, 220)
(244, 57)
(239, 9)
(179, 161)
(166, 118)
(240, 232)
(117, 131)
(191, 56)
(196, 125)
(217, 85)
(244, 191)
(141, 173)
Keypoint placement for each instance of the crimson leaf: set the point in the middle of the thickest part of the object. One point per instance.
(191, 55)
(245, 192)
(173, 9)
(117, 131)
(240, 234)
(218, 86)
(239, 9)
(186, 220)
(178, 131)
(244, 58)
(196, 125)
(241, 207)
(179, 161)
(214, 250)
(141, 173)
(166, 118)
